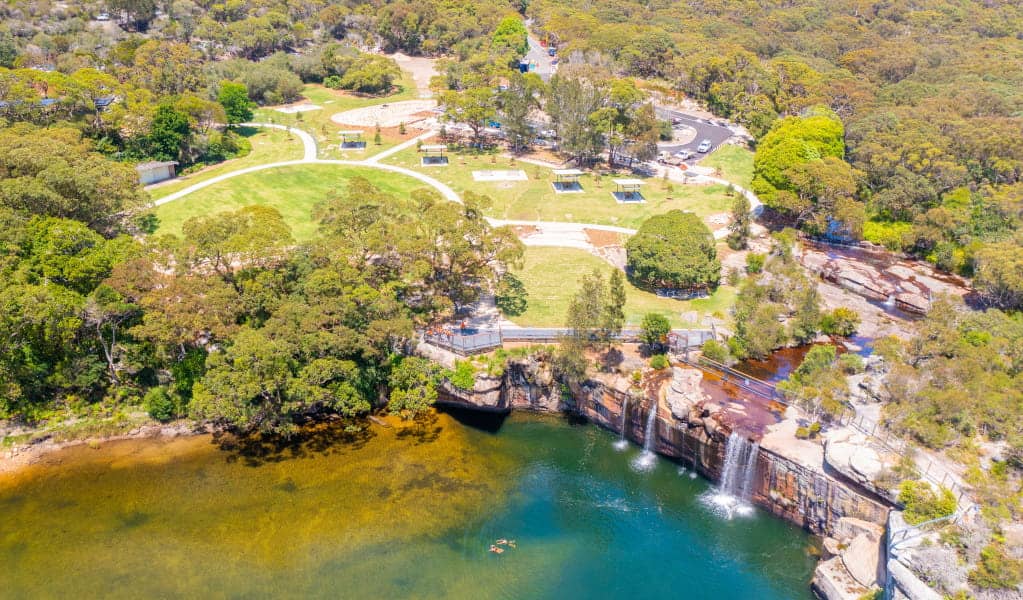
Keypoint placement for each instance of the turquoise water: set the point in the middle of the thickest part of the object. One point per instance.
(401, 512)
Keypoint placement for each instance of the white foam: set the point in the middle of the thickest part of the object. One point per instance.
(726, 506)
(645, 462)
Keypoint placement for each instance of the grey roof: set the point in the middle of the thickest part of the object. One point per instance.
(154, 164)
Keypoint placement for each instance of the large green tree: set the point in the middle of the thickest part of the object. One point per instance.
(234, 97)
(674, 250)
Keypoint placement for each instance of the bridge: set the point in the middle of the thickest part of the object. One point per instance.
(476, 341)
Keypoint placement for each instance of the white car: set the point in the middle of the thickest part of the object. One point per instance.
(683, 155)
(704, 146)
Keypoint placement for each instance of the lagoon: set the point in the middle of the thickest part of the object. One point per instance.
(406, 511)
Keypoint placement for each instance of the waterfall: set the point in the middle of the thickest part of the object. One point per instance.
(622, 442)
(736, 486)
(647, 460)
(651, 429)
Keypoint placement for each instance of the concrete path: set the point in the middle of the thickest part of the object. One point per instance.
(406, 144)
(308, 142)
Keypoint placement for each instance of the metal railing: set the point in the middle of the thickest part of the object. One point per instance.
(742, 380)
(901, 447)
(466, 341)
(475, 341)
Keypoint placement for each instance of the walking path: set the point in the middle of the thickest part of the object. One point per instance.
(406, 144)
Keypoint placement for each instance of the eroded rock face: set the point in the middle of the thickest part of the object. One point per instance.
(688, 432)
(526, 384)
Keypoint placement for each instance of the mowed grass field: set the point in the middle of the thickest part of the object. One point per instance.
(734, 163)
(294, 191)
(268, 146)
(552, 275)
(536, 200)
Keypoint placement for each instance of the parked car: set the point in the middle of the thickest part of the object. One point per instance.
(684, 154)
(662, 156)
(103, 17)
(552, 51)
(704, 146)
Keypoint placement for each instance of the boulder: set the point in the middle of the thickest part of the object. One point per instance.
(862, 559)
(831, 581)
(684, 392)
(851, 454)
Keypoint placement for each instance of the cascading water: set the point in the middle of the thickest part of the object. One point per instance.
(736, 486)
(622, 442)
(647, 460)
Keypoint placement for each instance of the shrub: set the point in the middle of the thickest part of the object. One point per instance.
(464, 375)
(715, 350)
(805, 433)
(511, 297)
(332, 81)
(851, 363)
(159, 404)
(841, 321)
(755, 262)
(996, 570)
(922, 503)
(654, 330)
(892, 235)
(659, 361)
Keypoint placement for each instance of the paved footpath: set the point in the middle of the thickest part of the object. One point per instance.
(548, 233)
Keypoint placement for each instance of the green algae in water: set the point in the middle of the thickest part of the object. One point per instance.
(403, 512)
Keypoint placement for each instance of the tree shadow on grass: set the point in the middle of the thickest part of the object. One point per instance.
(318, 438)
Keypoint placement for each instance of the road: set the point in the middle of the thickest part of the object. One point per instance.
(705, 130)
(538, 54)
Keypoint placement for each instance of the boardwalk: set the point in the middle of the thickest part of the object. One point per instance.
(475, 341)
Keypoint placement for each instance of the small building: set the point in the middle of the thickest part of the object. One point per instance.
(351, 139)
(156, 171)
(567, 180)
(627, 190)
(433, 155)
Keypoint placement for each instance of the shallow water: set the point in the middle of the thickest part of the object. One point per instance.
(394, 513)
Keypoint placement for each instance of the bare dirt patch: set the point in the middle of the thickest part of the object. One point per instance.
(421, 68)
(602, 239)
(391, 114)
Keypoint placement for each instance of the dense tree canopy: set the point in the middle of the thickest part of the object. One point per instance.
(674, 250)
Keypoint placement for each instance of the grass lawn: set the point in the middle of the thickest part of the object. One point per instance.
(294, 191)
(535, 199)
(318, 123)
(268, 146)
(551, 277)
(734, 162)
